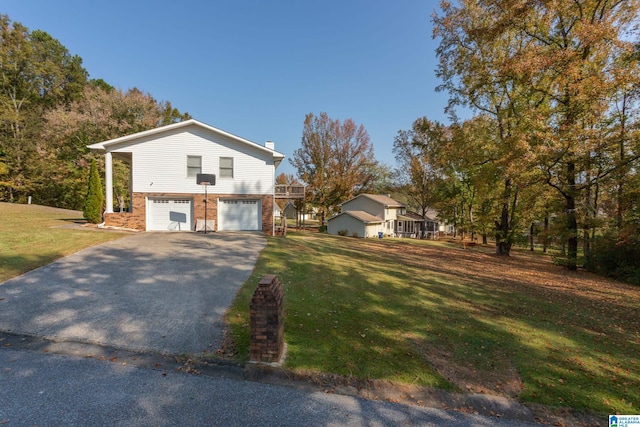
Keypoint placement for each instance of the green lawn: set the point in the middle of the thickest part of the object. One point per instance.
(434, 314)
(30, 237)
(416, 312)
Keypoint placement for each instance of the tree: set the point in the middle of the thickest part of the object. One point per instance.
(417, 154)
(36, 74)
(102, 113)
(474, 65)
(578, 43)
(545, 71)
(286, 179)
(335, 160)
(94, 201)
(383, 179)
(49, 112)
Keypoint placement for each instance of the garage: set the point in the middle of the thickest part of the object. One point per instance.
(237, 215)
(170, 214)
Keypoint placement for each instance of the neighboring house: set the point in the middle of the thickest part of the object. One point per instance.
(367, 215)
(290, 211)
(164, 165)
(277, 210)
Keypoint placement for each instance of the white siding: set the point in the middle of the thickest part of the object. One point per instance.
(375, 208)
(345, 222)
(366, 204)
(160, 163)
(372, 230)
(351, 224)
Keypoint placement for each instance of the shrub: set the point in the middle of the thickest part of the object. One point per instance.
(343, 232)
(322, 229)
(354, 234)
(93, 203)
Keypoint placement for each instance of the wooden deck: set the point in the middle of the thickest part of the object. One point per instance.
(283, 191)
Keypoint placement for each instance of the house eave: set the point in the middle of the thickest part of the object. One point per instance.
(109, 144)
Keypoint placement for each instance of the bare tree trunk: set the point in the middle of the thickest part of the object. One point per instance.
(503, 242)
(545, 243)
(572, 220)
(531, 236)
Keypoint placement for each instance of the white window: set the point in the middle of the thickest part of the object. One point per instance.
(226, 167)
(194, 165)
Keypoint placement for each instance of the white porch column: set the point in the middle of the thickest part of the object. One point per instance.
(108, 181)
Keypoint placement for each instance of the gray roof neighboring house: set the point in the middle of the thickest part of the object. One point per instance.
(385, 200)
(362, 216)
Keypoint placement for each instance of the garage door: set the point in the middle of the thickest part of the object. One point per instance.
(170, 214)
(235, 215)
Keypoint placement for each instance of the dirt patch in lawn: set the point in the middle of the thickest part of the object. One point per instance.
(501, 379)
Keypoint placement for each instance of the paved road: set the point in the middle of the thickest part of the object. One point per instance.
(161, 292)
(53, 390)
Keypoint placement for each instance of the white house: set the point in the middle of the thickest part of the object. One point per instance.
(367, 215)
(164, 163)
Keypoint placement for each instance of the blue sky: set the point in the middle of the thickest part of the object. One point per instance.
(255, 68)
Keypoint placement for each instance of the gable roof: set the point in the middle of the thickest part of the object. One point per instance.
(414, 216)
(104, 145)
(410, 216)
(387, 201)
(363, 216)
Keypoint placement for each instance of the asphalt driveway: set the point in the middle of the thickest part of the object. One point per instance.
(161, 292)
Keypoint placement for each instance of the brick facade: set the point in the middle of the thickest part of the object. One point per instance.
(136, 219)
(266, 312)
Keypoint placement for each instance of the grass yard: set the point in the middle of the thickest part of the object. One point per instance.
(433, 314)
(30, 237)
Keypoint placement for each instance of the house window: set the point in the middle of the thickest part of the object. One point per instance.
(194, 165)
(226, 167)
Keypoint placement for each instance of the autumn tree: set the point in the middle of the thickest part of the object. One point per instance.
(49, 112)
(575, 66)
(419, 169)
(286, 179)
(102, 113)
(475, 68)
(36, 74)
(335, 160)
(545, 71)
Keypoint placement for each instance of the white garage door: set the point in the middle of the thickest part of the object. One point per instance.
(235, 215)
(170, 214)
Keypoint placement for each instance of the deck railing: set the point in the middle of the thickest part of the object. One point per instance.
(284, 191)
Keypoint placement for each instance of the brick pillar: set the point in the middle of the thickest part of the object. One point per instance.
(267, 321)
